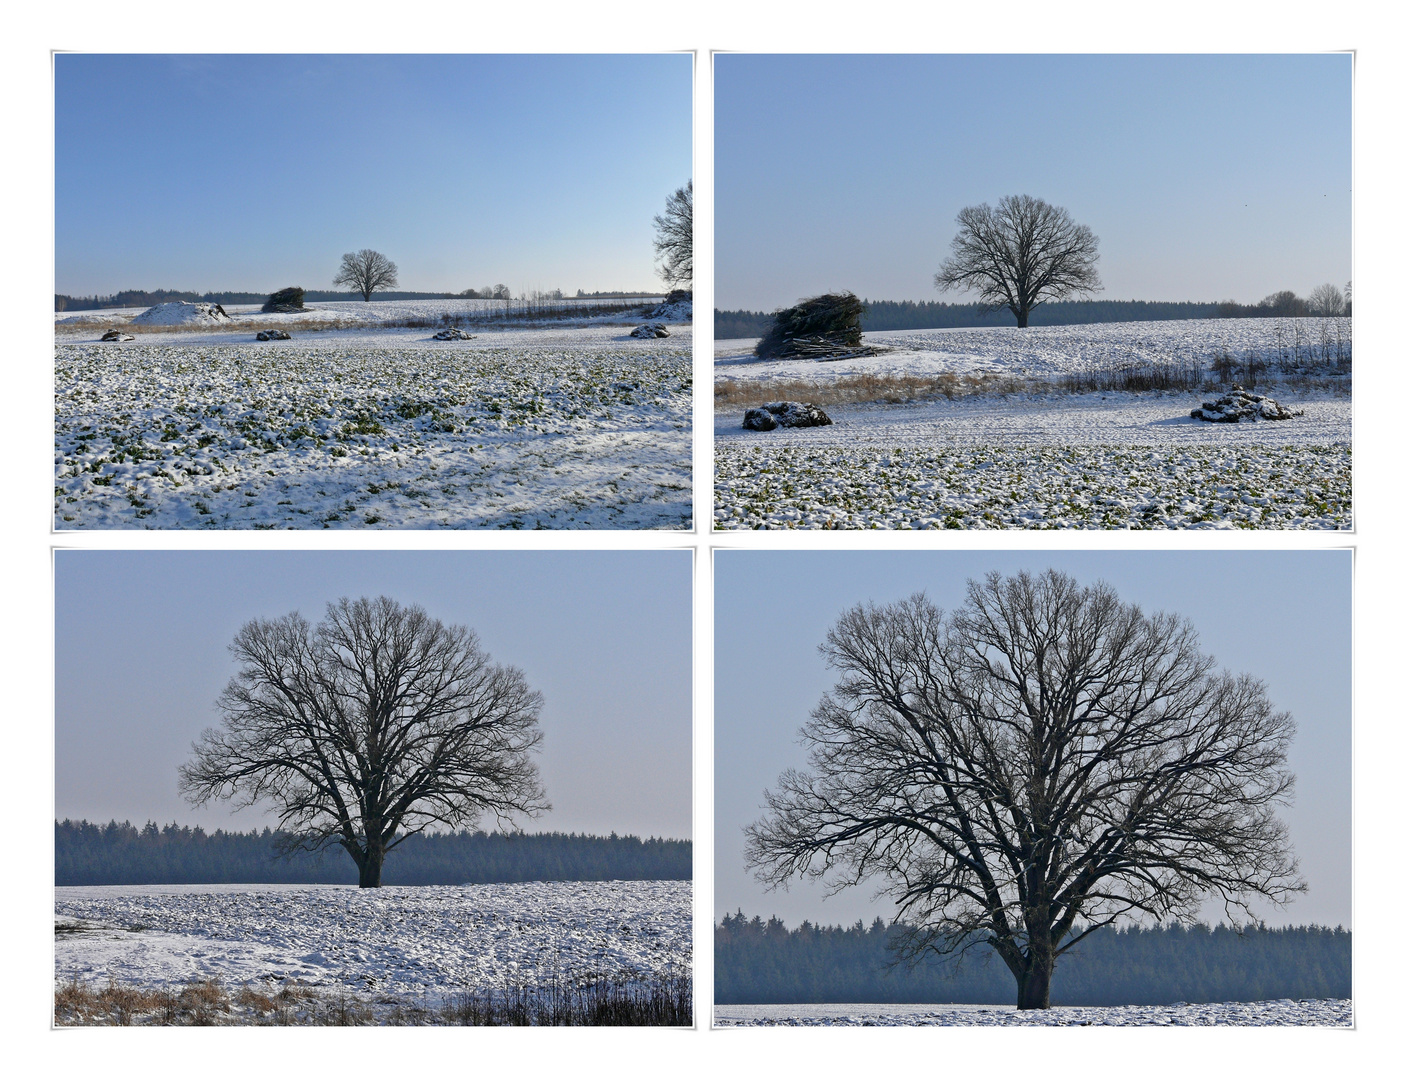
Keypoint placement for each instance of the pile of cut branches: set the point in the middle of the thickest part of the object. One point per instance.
(818, 328)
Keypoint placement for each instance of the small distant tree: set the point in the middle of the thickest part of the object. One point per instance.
(367, 729)
(366, 271)
(1285, 304)
(1326, 300)
(673, 238)
(1019, 255)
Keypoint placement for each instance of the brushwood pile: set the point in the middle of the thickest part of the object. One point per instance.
(820, 327)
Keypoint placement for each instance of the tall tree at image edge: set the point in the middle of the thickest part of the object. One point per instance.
(378, 723)
(1040, 763)
(673, 238)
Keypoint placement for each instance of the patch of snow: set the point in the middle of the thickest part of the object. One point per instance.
(181, 313)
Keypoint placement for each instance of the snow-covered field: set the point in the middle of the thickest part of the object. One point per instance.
(428, 942)
(1037, 458)
(558, 427)
(1050, 351)
(1334, 1012)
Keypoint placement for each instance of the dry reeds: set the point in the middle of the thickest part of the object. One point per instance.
(868, 387)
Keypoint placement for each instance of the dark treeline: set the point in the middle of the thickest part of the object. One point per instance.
(121, 854)
(761, 963)
(936, 315)
(141, 298)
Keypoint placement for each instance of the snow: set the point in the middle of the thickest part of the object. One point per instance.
(1332, 1012)
(554, 428)
(181, 313)
(1042, 351)
(427, 942)
(1038, 458)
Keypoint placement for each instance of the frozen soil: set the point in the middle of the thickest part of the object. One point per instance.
(1335, 1012)
(398, 942)
(566, 428)
(1037, 459)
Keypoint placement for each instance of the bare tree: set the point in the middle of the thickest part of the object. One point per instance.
(1020, 255)
(673, 238)
(1037, 764)
(1326, 300)
(366, 271)
(369, 728)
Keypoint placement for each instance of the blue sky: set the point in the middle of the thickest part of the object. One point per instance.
(141, 647)
(256, 172)
(1284, 617)
(1204, 177)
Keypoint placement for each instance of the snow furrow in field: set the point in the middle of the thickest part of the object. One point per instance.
(400, 940)
(978, 487)
(243, 436)
(1331, 1012)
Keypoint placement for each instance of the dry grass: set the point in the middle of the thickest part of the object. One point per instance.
(867, 387)
(667, 1001)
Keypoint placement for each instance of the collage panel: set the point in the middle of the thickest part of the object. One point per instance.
(1088, 788)
(379, 787)
(446, 301)
(1033, 292)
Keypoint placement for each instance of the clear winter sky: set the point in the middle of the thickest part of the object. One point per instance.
(1204, 177)
(212, 172)
(142, 651)
(1284, 617)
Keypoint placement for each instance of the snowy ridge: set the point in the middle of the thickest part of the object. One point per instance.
(1043, 351)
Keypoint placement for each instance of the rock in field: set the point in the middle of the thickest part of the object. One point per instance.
(776, 414)
(650, 330)
(118, 335)
(273, 335)
(452, 333)
(1239, 405)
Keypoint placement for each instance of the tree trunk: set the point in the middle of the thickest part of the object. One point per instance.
(369, 868)
(1022, 318)
(1034, 986)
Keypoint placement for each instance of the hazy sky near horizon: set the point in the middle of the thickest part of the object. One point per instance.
(141, 652)
(236, 172)
(1204, 177)
(1282, 616)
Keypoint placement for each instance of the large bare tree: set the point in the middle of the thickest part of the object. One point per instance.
(366, 271)
(368, 728)
(673, 237)
(1039, 763)
(1019, 255)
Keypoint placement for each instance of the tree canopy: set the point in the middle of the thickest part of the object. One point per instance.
(369, 728)
(1043, 761)
(1019, 255)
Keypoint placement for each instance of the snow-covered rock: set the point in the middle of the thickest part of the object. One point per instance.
(118, 335)
(452, 333)
(650, 330)
(273, 335)
(1239, 405)
(181, 313)
(789, 414)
